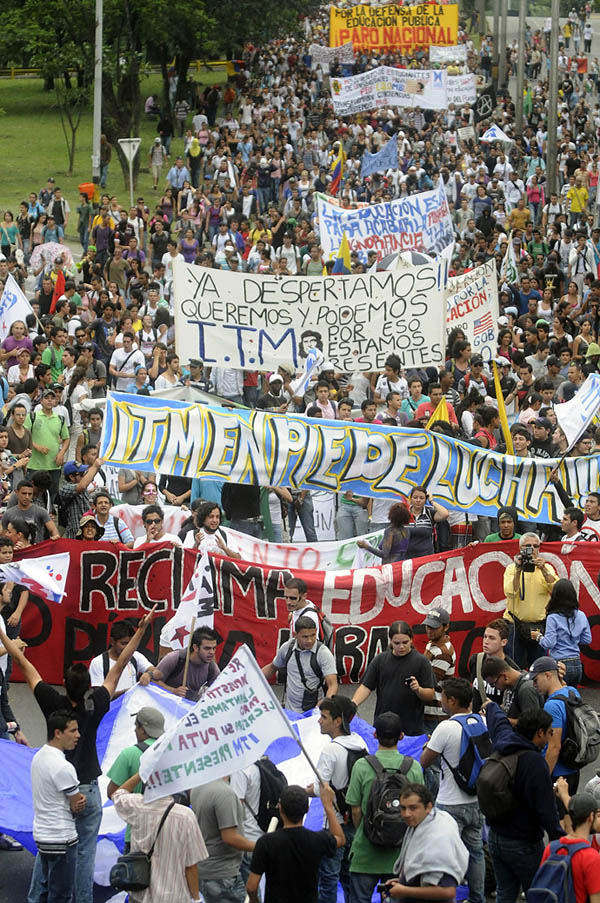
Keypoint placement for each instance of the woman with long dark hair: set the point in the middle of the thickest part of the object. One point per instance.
(394, 544)
(567, 628)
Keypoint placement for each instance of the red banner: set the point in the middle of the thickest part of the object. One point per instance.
(107, 581)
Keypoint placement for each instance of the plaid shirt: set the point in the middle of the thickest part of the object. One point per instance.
(74, 505)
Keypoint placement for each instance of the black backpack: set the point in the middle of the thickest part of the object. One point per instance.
(495, 784)
(352, 756)
(326, 629)
(311, 696)
(383, 824)
(272, 782)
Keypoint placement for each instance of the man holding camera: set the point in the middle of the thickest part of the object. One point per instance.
(528, 582)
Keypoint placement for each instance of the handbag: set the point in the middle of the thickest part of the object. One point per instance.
(132, 870)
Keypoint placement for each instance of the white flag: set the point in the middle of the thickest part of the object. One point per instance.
(575, 416)
(197, 602)
(495, 133)
(13, 306)
(230, 727)
(509, 272)
(44, 577)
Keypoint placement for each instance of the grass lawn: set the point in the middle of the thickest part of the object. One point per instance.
(33, 146)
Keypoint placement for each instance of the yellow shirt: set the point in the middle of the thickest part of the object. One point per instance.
(536, 593)
(518, 219)
(578, 198)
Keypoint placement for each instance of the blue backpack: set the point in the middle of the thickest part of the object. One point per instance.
(553, 881)
(475, 747)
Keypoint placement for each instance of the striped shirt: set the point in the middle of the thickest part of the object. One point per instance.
(442, 656)
(179, 846)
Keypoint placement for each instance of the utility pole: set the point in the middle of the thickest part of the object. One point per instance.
(502, 47)
(97, 128)
(520, 68)
(495, 42)
(551, 141)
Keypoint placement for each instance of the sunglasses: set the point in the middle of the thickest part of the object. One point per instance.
(153, 520)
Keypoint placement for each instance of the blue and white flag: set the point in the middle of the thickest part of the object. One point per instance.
(495, 133)
(13, 306)
(386, 158)
(575, 416)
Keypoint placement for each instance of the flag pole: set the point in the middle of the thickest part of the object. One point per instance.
(188, 653)
(279, 708)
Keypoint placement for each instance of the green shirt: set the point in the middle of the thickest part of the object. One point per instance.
(53, 357)
(495, 537)
(49, 431)
(364, 856)
(125, 766)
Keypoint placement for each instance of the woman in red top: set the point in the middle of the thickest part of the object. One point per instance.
(490, 420)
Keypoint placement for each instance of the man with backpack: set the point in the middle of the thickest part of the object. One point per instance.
(258, 788)
(335, 767)
(376, 784)
(298, 606)
(462, 742)
(561, 701)
(115, 528)
(519, 693)
(309, 668)
(571, 857)
(515, 794)
(289, 858)
(202, 668)
(138, 668)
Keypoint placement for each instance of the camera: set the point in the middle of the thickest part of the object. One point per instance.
(408, 681)
(527, 559)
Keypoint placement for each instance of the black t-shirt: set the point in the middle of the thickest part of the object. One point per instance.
(84, 757)
(289, 859)
(492, 693)
(387, 674)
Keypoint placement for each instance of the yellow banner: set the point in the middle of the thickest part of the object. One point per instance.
(392, 26)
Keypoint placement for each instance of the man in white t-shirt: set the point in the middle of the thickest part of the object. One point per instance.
(591, 524)
(124, 361)
(294, 593)
(457, 696)
(137, 670)
(153, 519)
(56, 800)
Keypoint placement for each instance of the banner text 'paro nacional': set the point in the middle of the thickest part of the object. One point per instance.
(393, 26)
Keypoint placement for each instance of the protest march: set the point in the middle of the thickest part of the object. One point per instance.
(299, 482)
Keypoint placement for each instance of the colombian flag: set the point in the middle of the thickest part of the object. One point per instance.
(342, 261)
(337, 170)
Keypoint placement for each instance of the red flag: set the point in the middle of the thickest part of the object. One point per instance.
(59, 289)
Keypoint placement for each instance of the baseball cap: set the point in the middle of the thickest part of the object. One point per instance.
(581, 805)
(437, 617)
(502, 362)
(541, 665)
(476, 359)
(511, 310)
(388, 726)
(543, 422)
(275, 378)
(71, 467)
(593, 349)
(502, 321)
(151, 720)
(196, 362)
(48, 392)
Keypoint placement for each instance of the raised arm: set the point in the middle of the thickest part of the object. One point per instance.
(112, 678)
(30, 672)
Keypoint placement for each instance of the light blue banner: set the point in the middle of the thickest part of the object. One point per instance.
(254, 447)
(386, 158)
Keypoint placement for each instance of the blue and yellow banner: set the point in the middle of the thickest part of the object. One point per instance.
(249, 446)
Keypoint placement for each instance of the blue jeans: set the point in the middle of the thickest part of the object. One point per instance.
(335, 868)
(84, 236)
(469, 819)
(351, 520)
(515, 863)
(247, 527)
(574, 671)
(245, 870)
(53, 877)
(307, 519)
(103, 174)
(362, 885)
(264, 198)
(223, 890)
(88, 825)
